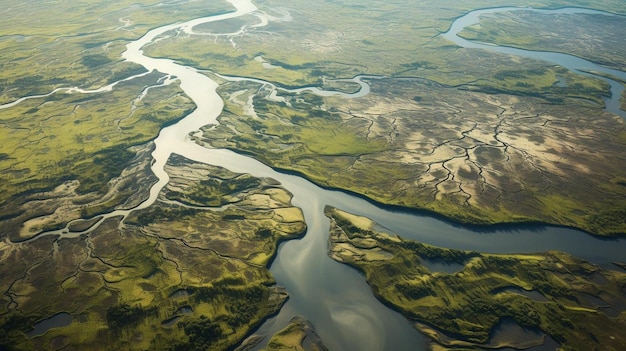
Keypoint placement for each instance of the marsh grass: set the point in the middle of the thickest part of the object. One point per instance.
(453, 151)
(462, 309)
(122, 283)
(83, 137)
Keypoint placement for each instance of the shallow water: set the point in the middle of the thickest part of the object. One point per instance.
(571, 62)
(57, 321)
(333, 296)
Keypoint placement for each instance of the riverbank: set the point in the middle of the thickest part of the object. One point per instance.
(186, 272)
(524, 161)
(553, 294)
(178, 230)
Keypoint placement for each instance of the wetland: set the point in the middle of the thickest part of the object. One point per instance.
(541, 294)
(146, 194)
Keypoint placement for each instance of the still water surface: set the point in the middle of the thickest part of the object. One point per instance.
(334, 297)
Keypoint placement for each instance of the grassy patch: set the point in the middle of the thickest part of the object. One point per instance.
(472, 157)
(170, 278)
(462, 309)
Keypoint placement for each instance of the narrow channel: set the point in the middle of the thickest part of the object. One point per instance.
(334, 297)
(571, 62)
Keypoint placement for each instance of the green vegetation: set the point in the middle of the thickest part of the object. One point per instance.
(83, 137)
(87, 139)
(203, 334)
(124, 315)
(418, 144)
(221, 188)
(304, 134)
(581, 304)
(593, 37)
(541, 82)
(293, 336)
(65, 138)
(170, 277)
(45, 46)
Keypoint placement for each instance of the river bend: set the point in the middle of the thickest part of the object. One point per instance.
(334, 297)
(571, 62)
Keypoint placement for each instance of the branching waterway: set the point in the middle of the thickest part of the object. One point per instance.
(571, 62)
(334, 297)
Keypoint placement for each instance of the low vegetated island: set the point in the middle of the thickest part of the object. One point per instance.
(474, 136)
(473, 157)
(188, 273)
(299, 335)
(486, 300)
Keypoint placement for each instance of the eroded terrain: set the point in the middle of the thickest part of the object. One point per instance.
(475, 136)
(591, 36)
(486, 300)
(474, 157)
(188, 272)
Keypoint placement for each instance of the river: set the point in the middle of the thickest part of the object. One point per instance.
(334, 297)
(571, 62)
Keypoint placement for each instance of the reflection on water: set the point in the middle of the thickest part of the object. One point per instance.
(57, 321)
(333, 296)
(571, 62)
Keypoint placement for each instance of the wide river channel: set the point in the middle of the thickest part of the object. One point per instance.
(334, 297)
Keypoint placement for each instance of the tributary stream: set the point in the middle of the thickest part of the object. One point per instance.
(334, 297)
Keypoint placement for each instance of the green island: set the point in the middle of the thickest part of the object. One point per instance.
(474, 136)
(577, 304)
(187, 273)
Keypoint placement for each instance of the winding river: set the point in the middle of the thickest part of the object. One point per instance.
(334, 297)
(571, 62)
